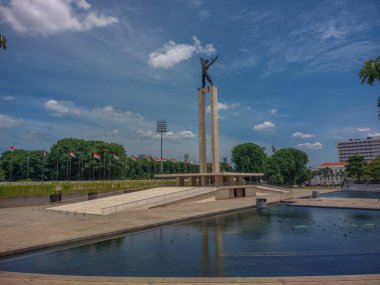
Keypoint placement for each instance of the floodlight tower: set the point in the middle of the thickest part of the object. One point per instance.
(161, 129)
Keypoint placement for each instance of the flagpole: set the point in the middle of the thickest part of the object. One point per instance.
(56, 176)
(104, 168)
(89, 169)
(43, 162)
(78, 174)
(70, 168)
(67, 168)
(27, 169)
(10, 178)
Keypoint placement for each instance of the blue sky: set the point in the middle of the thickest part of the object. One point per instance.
(286, 75)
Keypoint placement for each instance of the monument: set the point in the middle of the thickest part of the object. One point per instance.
(215, 178)
(202, 119)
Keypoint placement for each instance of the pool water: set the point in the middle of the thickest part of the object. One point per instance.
(280, 241)
(353, 194)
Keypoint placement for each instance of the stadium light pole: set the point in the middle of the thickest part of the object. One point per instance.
(161, 129)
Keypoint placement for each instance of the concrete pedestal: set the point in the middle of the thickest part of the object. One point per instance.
(202, 130)
(214, 128)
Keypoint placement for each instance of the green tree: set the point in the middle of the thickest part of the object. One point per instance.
(249, 157)
(292, 165)
(273, 173)
(3, 42)
(374, 168)
(356, 166)
(371, 72)
(22, 164)
(84, 166)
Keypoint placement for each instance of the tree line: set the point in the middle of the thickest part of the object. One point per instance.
(358, 168)
(78, 159)
(286, 166)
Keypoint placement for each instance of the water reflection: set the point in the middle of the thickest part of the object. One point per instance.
(277, 241)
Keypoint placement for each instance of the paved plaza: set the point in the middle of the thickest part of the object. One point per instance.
(29, 228)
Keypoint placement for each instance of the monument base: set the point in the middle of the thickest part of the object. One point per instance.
(209, 179)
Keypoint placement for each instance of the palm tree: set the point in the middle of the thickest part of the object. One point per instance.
(371, 72)
(3, 42)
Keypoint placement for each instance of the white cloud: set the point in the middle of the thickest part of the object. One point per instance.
(273, 111)
(8, 98)
(224, 106)
(111, 113)
(172, 53)
(316, 145)
(62, 108)
(374, 134)
(363, 129)
(169, 135)
(302, 135)
(263, 126)
(53, 16)
(8, 121)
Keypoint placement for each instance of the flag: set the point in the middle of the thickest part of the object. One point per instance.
(115, 156)
(173, 160)
(157, 158)
(11, 148)
(72, 154)
(96, 155)
(133, 157)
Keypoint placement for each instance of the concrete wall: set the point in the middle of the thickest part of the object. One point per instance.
(229, 193)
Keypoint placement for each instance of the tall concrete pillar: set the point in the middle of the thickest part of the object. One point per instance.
(202, 130)
(214, 128)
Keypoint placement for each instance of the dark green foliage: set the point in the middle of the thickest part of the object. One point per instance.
(356, 166)
(369, 73)
(272, 173)
(373, 169)
(3, 42)
(291, 163)
(249, 157)
(58, 165)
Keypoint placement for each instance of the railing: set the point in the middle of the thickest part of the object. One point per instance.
(113, 193)
(155, 200)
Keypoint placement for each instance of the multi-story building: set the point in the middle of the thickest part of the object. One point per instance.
(368, 148)
(329, 173)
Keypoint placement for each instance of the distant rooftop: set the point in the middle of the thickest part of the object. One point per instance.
(332, 164)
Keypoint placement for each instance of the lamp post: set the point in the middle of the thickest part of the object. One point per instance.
(186, 158)
(161, 129)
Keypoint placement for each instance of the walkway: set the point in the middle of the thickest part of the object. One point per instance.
(95, 207)
(10, 278)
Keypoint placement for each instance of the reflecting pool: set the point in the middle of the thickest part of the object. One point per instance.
(281, 241)
(353, 194)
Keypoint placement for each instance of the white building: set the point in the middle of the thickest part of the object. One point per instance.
(368, 148)
(329, 173)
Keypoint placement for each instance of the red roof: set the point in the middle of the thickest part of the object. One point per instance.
(332, 164)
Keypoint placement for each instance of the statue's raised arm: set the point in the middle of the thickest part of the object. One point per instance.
(213, 59)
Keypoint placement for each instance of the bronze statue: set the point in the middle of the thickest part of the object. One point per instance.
(205, 66)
